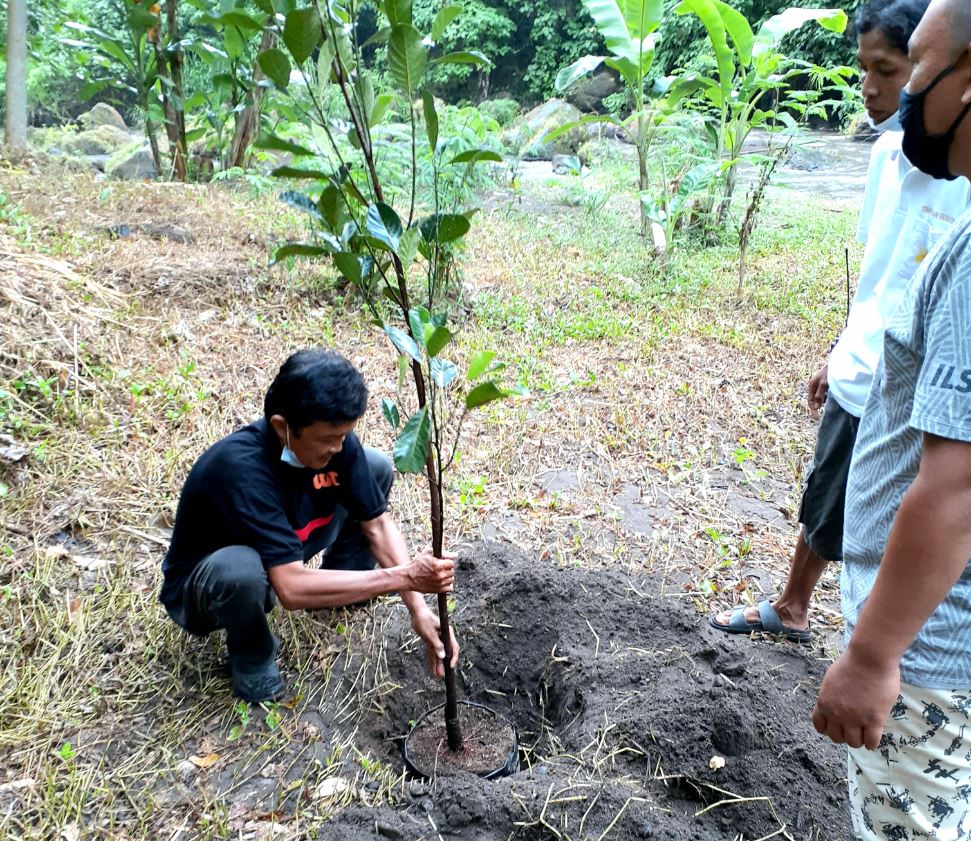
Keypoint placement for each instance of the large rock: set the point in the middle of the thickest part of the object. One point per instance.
(103, 140)
(590, 92)
(528, 135)
(133, 165)
(103, 115)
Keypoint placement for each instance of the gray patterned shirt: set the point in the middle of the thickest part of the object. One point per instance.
(923, 384)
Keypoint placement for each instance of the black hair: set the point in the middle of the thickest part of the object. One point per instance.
(896, 19)
(316, 385)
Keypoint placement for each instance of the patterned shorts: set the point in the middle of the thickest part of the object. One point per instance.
(917, 784)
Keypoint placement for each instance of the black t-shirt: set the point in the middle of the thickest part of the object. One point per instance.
(239, 493)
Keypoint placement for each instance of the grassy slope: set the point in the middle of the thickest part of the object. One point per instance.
(123, 358)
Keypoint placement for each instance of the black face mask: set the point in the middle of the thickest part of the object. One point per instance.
(927, 152)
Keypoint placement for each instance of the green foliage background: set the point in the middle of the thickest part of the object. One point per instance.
(527, 40)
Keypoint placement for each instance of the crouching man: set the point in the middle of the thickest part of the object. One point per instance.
(265, 500)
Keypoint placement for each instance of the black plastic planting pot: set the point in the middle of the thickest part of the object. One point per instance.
(425, 767)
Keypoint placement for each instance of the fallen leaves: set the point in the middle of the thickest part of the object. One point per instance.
(206, 761)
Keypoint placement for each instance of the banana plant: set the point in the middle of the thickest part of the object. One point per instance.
(401, 258)
(751, 86)
(629, 29)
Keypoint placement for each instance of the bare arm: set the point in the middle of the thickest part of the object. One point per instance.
(388, 547)
(927, 550)
(298, 586)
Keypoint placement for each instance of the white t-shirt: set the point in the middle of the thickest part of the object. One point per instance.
(905, 212)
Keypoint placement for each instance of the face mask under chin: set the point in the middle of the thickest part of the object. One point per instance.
(288, 456)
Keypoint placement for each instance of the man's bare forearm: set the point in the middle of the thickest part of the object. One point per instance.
(390, 551)
(300, 587)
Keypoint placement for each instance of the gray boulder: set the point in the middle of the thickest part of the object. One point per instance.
(528, 135)
(103, 140)
(99, 162)
(132, 165)
(103, 115)
(589, 93)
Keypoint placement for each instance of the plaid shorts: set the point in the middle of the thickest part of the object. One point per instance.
(917, 784)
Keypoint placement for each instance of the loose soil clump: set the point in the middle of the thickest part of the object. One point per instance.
(622, 700)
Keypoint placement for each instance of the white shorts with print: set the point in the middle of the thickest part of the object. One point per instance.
(917, 784)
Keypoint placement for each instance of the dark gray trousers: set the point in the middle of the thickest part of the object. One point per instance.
(230, 589)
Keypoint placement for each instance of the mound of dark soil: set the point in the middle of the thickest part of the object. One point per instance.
(622, 701)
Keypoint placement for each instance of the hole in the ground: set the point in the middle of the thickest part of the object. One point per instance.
(613, 691)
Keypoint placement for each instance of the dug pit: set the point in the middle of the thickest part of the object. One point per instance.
(636, 720)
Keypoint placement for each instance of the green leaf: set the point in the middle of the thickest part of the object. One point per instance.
(299, 249)
(473, 156)
(278, 144)
(568, 76)
(440, 337)
(349, 265)
(483, 393)
(297, 172)
(642, 16)
(411, 447)
(300, 202)
(443, 372)
(90, 89)
(379, 37)
(773, 30)
(141, 19)
(365, 94)
(431, 119)
(406, 57)
(302, 33)
(237, 18)
(479, 363)
(397, 11)
(417, 323)
(444, 227)
(390, 412)
(408, 246)
(612, 25)
(739, 31)
(464, 57)
(384, 225)
(331, 206)
(708, 13)
(381, 103)
(276, 67)
(444, 17)
(401, 340)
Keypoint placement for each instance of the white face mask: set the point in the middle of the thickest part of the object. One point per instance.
(288, 456)
(892, 123)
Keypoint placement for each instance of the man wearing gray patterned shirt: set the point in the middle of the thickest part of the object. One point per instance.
(902, 688)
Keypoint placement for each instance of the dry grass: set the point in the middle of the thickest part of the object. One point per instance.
(665, 431)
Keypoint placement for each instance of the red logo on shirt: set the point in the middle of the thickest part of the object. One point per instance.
(326, 480)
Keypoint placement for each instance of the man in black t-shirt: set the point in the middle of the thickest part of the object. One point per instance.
(260, 503)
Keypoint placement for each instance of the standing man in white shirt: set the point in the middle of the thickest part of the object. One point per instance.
(905, 212)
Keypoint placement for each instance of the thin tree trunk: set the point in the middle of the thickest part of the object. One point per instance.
(177, 93)
(16, 78)
(153, 144)
(453, 729)
(248, 122)
(167, 91)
